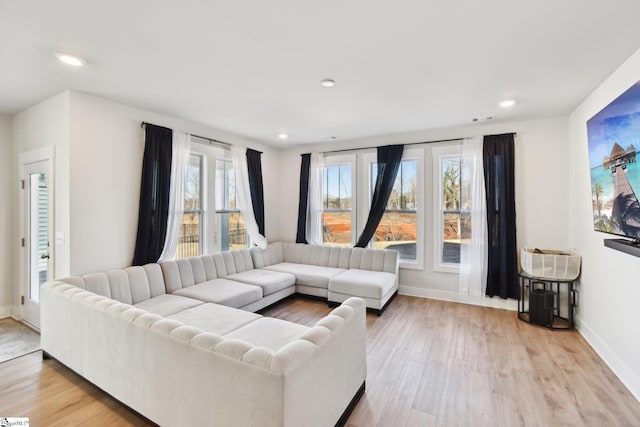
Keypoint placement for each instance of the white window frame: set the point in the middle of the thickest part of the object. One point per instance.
(439, 153)
(210, 152)
(364, 188)
(336, 160)
(216, 211)
(201, 211)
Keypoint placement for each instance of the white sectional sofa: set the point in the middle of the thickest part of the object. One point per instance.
(180, 341)
(151, 337)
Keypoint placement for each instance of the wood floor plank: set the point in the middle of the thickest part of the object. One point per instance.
(430, 363)
(429, 391)
(401, 395)
(478, 398)
(452, 408)
(420, 419)
(506, 411)
(371, 410)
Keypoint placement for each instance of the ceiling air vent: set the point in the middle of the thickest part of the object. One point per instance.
(482, 119)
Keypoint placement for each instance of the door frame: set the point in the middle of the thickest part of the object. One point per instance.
(44, 154)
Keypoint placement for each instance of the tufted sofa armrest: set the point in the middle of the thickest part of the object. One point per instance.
(294, 353)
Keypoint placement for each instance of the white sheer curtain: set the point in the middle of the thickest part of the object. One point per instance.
(314, 214)
(180, 149)
(239, 157)
(473, 256)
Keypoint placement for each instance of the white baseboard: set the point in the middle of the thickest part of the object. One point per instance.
(505, 304)
(5, 311)
(629, 378)
(10, 311)
(16, 312)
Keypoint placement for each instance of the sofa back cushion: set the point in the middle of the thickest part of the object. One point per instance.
(182, 273)
(326, 256)
(271, 255)
(130, 285)
(232, 262)
(374, 260)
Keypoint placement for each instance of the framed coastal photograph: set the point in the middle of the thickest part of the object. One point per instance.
(614, 135)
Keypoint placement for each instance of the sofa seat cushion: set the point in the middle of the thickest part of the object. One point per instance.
(269, 281)
(269, 333)
(215, 318)
(166, 305)
(223, 291)
(363, 283)
(308, 275)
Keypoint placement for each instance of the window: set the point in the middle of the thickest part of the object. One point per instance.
(398, 228)
(402, 225)
(231, 232)
(454, 213)
(191, 227)
(211, 221)
(337, 201)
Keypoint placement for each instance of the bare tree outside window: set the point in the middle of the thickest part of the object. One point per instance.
(455, 216)
(398, 228)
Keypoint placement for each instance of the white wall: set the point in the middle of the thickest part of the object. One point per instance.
(609, 287)
(98, 148)
(106, 162)
(8, 239)
(542, 204)
(47, 125)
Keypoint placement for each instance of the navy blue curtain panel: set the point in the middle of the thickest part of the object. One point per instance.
(389, 159)
(154, 195)
(301, 234)
(254, 165)
(499, 179)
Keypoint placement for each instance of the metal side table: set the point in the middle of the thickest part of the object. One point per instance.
(546, 302)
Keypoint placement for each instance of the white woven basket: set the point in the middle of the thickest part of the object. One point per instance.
(550, 264)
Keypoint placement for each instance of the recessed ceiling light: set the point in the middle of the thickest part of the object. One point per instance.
(283, 136)
(507, 103)
(327, 82)
(72, 60)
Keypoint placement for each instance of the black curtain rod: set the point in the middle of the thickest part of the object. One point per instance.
(201, 137)
(410, 143)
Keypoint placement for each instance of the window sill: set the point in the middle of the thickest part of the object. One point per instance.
(447, 269)
(410, 265)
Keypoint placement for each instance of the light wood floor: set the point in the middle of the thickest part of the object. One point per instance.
(429, 362)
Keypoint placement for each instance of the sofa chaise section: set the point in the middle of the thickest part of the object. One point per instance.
(312, 266)
(335, 273)
(372, 276)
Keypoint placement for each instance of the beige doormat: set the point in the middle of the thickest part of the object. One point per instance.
(16, 339)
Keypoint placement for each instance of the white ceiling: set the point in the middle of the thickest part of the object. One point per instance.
(254, 67)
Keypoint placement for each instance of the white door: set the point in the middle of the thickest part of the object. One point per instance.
(37, 242)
